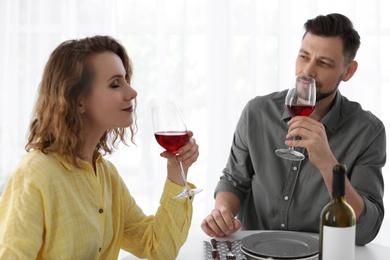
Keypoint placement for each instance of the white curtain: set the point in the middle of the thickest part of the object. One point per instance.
(211, 56)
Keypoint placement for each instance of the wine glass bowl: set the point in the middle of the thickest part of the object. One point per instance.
(171, 133)
(171, 140)
(300, 101)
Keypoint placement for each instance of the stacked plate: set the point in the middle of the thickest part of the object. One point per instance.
(280, 245)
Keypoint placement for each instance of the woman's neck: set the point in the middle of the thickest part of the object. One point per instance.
(89, 151)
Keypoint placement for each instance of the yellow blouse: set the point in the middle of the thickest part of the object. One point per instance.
(51, 210)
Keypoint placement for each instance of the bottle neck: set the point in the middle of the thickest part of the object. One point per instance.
(338, 199)
(338, 184)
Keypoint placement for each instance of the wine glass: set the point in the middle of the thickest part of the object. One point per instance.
(300, 101)
(171, 133)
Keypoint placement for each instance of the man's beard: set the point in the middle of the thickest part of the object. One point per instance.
(321, 96)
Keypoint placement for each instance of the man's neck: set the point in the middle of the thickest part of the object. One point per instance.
(322, 107)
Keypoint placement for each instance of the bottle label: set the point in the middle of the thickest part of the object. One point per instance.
(338, 243)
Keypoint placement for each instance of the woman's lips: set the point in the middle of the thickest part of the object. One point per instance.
(128, 109)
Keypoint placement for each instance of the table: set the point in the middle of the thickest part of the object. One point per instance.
(193, 247)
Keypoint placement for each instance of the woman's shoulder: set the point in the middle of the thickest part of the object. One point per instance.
(34, 167)
(37, 158)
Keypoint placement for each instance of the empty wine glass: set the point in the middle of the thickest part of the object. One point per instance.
(171, 133)
(300, 101)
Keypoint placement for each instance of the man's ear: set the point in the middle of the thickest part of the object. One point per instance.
(351, 69)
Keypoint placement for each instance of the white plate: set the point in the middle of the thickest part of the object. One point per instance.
(280, 245)
(314, 257)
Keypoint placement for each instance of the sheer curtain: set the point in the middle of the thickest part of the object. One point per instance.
(211, 56)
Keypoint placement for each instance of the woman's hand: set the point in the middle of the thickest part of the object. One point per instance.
(188, 154)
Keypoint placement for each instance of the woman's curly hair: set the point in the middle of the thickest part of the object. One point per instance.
(56, 124)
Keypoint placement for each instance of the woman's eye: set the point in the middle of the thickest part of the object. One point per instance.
(115, 84)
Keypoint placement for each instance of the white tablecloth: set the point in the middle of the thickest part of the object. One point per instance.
(379, 249)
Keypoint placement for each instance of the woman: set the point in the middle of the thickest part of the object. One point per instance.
(65, 201)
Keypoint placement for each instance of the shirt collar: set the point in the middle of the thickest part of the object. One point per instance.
(331, 119)
(81, 162)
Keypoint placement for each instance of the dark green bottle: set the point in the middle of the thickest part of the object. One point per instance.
(338, 222)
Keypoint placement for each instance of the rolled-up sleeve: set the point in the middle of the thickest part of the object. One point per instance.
(162, 235)
(367, 179)
(238, 172)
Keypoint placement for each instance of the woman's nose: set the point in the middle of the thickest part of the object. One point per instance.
(131, 93)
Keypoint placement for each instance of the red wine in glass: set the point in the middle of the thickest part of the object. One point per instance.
(300, 101)
(300, 110)
(170, 132)
(171, 140)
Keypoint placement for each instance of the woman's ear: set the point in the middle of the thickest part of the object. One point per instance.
(81, 107)
(351, 69)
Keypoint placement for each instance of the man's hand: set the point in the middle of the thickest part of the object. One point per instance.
(314, 139)
(221, 221)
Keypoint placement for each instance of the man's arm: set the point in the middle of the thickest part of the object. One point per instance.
(315, 141)
(221, 221)
(364, 185)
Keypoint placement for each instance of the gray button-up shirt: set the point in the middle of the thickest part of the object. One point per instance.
(279, 194)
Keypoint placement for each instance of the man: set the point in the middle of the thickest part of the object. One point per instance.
(268, 192)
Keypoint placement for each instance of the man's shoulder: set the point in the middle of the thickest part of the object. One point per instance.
(271, 98)
(353, 109)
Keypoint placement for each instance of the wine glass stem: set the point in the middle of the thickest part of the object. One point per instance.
(292, 147)
(183, 177)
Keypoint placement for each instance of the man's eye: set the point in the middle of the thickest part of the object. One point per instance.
(304, 57)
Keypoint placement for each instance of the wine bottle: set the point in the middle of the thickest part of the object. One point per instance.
(338, 222)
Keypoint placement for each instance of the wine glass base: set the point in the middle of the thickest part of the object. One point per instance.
(290, 154)
(187, 193)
